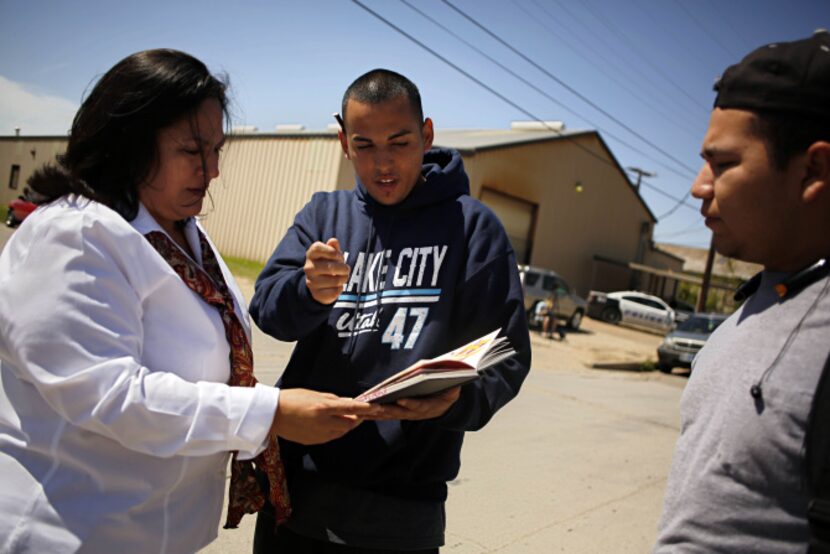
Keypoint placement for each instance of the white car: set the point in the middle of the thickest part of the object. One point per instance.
(631, 308)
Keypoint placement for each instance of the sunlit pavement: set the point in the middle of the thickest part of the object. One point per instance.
(576, 463)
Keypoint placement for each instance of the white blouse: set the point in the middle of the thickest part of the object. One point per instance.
(115, 419)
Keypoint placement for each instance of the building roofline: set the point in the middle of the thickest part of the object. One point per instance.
(22, 138)
(656, 248)
(274, 134)
(511, 142)
(331, 134)
(284, 134)
(559, 137)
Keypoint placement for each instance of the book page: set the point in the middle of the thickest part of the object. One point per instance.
(470, 356)
(471, 353)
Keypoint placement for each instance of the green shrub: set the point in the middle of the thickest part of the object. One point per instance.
(246, 269)
(648, 365)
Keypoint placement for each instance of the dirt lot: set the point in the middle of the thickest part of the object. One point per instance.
(597, 343)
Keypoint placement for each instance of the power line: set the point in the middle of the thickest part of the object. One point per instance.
(504, 98)
(692, 51)
(480, 83)
(639, 97)
(602, 19)
(677, 205)
(736, 30)
(534, 87)
(712, 35)
(634, 67)
(680, 201)
(568, 87)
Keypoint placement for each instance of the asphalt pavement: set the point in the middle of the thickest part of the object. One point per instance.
(576, 463)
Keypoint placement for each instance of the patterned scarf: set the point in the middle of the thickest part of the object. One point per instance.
(244, 495)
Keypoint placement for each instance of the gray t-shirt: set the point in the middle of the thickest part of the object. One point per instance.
(736, 483)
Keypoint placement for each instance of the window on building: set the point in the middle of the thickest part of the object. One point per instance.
(14, 177)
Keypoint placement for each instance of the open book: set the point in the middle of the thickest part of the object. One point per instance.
(428, 377)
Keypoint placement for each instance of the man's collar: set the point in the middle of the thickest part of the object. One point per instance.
(790, 286)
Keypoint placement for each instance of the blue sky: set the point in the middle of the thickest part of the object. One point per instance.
(648, 64)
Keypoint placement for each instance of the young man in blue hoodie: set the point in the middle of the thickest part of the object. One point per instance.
(405, 266)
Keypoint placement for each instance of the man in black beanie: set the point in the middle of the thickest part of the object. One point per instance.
(738, 481)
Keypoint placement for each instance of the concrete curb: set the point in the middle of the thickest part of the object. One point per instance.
(623, 366)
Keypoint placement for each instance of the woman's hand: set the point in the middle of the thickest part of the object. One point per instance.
(310, 417)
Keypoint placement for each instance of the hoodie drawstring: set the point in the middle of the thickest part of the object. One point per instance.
(369, 242)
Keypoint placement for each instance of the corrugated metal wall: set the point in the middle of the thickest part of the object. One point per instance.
(266, 179)
(264, 182)
(29, 153)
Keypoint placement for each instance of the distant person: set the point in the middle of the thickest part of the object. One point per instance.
(403, 267)
(548, 310)
(540, 314)
(125, 359)
(737, 483)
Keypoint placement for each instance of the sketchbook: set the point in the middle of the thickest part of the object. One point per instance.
(427, 377)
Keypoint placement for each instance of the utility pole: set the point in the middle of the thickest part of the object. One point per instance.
(640, 174)
(707, 278)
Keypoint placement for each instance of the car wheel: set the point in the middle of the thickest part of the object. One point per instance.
(611, 315)
(664, 368)
(575, 321)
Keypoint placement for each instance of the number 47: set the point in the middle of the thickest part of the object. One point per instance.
(396, 330)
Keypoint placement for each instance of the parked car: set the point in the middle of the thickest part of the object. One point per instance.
(539, 284)
(19, 209)
(681, 345)
(631, 308)
(682, 310)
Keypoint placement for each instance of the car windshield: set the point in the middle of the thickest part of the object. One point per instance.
(697, 324)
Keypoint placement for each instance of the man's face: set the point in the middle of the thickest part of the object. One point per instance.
(748, 204)
(386, 144)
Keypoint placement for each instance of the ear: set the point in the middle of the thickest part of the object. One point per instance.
(344, 142)
(817, 179)
(428, 133)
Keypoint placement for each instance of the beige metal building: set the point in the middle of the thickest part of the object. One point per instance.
(565, 201)
(19, 157)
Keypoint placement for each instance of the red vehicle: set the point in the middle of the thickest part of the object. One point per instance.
(19, 209)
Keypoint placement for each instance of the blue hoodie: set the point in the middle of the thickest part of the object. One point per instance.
(427, 275)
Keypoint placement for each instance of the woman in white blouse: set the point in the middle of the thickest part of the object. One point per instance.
(125, 366)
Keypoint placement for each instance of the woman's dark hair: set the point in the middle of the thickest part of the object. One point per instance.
(112, 147)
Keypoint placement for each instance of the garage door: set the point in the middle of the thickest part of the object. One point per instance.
(517, 216)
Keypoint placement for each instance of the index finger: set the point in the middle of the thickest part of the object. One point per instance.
(320, 251)
(334, 243)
